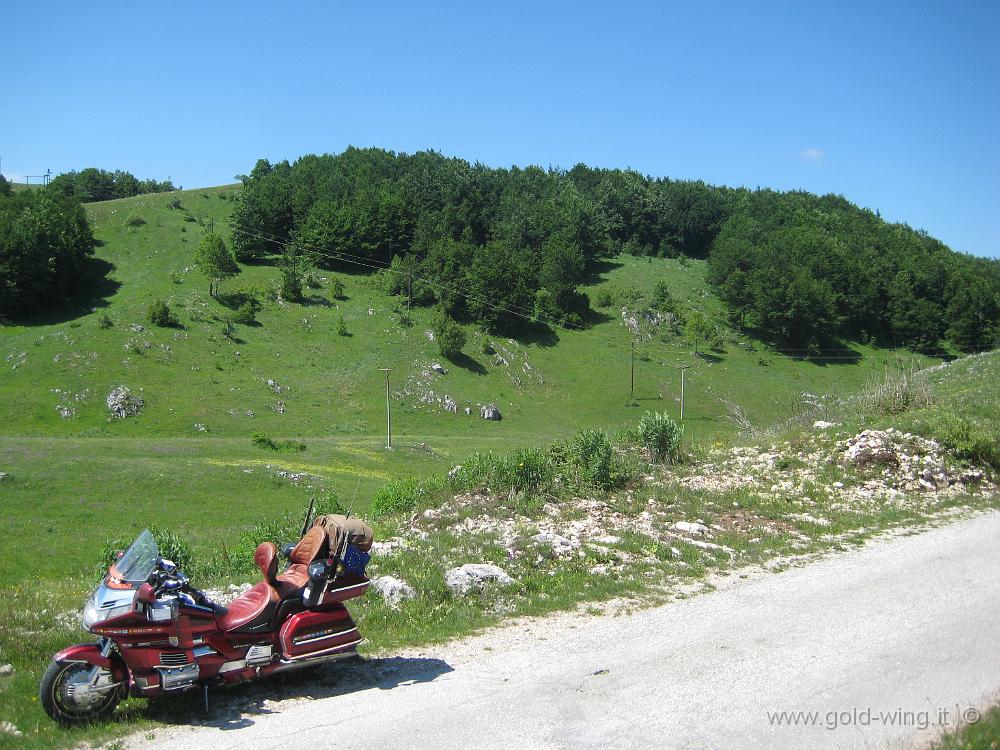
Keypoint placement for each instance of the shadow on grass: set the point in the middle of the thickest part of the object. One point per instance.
(315, 300)
(599, 268)
(539, 334)
(94, 286)
(466, 362)
(236, 707)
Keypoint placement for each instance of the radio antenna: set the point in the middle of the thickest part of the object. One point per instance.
(305, 525)
(350, 509)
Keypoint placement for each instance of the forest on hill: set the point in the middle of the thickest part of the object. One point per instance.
(497, 246)
(504, 248)
(93, 184)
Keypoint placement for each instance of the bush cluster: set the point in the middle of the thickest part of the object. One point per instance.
(261, 440)
(160, 314)
(661, 436)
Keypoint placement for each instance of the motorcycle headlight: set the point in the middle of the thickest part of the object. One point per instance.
(92, 614)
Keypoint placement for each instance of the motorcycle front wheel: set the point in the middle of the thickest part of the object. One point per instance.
(70, 695)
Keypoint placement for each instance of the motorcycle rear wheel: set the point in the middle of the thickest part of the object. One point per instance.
(67, 697)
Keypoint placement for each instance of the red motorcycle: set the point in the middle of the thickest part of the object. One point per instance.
(158, 634)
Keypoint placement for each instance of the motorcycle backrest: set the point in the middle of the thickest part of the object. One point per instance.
(266, 557)
(308, 547)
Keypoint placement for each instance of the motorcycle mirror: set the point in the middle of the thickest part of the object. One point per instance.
(119, 554)
(146, 595)
(167, 565)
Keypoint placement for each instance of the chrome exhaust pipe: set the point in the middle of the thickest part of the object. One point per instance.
(288, 666)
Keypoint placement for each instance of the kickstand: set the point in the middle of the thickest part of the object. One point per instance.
(205, 687)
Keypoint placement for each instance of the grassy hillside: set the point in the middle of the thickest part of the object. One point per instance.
(188, 462)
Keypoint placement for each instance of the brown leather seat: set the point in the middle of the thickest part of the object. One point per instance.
(297, 574)
(253, 603)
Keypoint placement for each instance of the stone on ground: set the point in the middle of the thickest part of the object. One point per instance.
(475, 576)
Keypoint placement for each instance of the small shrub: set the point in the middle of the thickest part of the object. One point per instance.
(312, 282)
(246, 314)
(191, 219)
(450, 336)
(526, 470)
(337, 288)
(159, 314)
(291, 285)
(341, 327)
(228, 329)
(263, 441)
(104, 321)
(136, 221)
(175, 203)
(488, 349)
(592, 455)
(661, 436)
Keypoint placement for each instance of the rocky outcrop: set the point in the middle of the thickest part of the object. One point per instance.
(393, 590)
(475, 577)
(122, 403)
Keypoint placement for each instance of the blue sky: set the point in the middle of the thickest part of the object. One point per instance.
(897, 107)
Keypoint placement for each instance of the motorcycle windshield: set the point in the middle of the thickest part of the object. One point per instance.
(138, 561)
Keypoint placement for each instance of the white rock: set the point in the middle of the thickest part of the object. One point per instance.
(560, 544)
(394, 590)
(436, 366)
(381, 549)
(691, 528)
(471, 576)
(7, 669)
(4, 476)
(123, 403)
(7, 728)
(489, 411)
(821, 425)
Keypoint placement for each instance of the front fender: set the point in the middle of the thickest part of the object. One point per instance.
(90, 653)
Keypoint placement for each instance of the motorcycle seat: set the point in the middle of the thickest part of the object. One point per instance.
(258, 605)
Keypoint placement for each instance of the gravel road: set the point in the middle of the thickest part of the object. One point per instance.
(883, 643)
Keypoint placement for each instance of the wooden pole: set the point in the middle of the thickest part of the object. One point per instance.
(388, 411)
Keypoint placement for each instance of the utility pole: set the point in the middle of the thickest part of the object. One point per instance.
(631, 393)
(388, 412)
(48, 173)
(683, 369)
